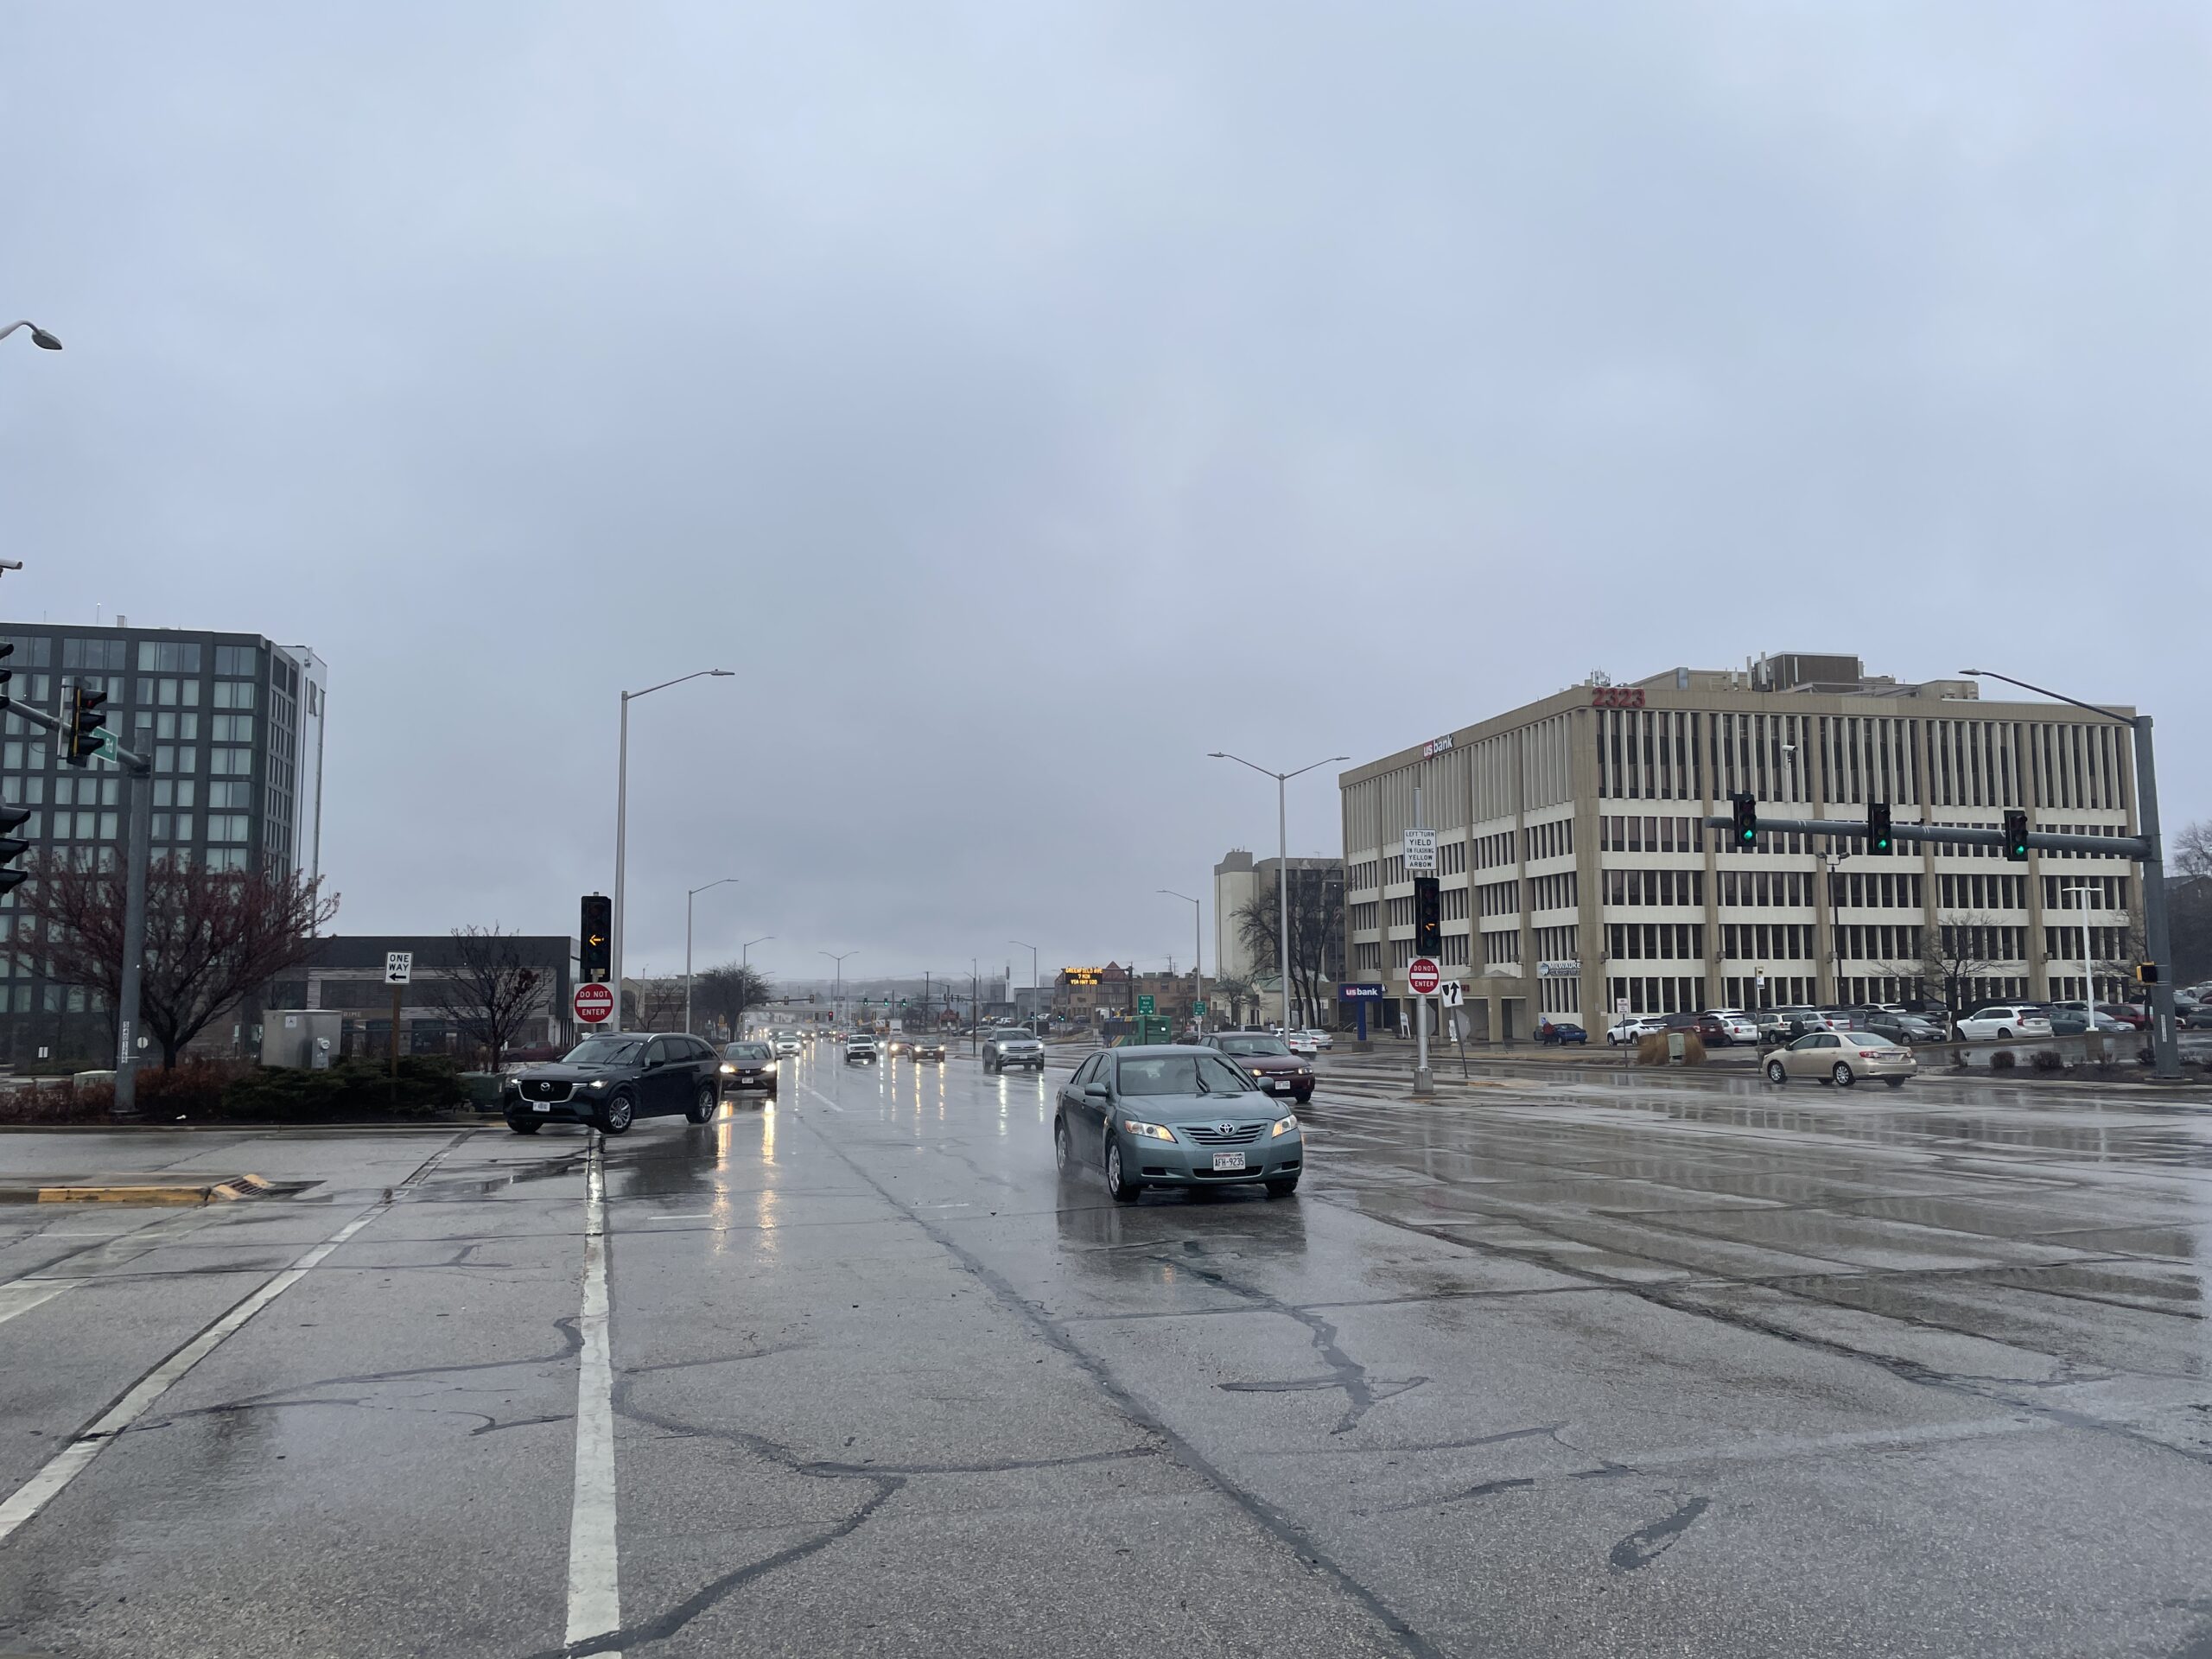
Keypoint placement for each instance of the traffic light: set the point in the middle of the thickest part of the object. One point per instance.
(1428, 916)
(2146, 973)
(595, 960)
(1747, 820)
(11, 848)
(1878, 827)
(80, 724)
(2016, 836)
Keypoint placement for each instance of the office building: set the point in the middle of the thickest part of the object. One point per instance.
(1578, 879)
(233, 724)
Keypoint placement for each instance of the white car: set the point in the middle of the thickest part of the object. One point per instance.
(2003, 1022)
(1322, 1040)
(1301, 1042)
(1633, 1029)
(1740, 1025)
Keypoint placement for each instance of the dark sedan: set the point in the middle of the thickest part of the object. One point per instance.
(1273, 1066)
(1163, 1115)
(927, 1048)
(609, 1080)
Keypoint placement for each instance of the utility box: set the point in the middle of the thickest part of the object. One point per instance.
(303, 1039)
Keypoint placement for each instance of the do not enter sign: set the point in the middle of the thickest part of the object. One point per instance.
(595, 1003)
(1422, 977)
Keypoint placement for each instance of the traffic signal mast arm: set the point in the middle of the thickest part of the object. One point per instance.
(137, 763)
(2135, 847)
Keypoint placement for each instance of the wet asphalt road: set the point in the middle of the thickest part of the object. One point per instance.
(1623, 1366)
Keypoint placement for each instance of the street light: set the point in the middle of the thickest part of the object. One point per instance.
(837, 995)
(40, 338)
(1198, 957)
(2088, 974)
(2165, 1051)
(622, 814)
(688, 896)
(1282, 861)
(1031, 949)
(745, 953)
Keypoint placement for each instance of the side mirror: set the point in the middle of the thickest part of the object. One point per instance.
(1096, 1091)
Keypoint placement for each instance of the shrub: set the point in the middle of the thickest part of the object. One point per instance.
(352, 1088)
(1653, 1051)
(2001, 1060)
(2047, 1060)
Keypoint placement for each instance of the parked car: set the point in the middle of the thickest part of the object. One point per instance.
(749, 1066)
(1013, 1046)
(1161, 1115)
(1786, 1025)
(1905, 1028)
(860, 1048)
(1322, 1040)
(1301, 1042)
(2127, 1013)
(1632, 1028)
(2198, 1017)
(1741, 1027)
(2072, 1022)
(1842, 1058)
(1562, 1033)
(610, 1081)
(2003, 1021)
(1268, 1061)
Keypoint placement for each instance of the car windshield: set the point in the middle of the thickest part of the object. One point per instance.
(1253, 1045)
(1179, 1074)
(745, 1051)
(606, 1050)
(1010, 1036)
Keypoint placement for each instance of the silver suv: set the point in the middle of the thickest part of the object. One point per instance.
(1011, 1045)
(860, 1046)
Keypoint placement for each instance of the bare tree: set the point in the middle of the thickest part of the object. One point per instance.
(490, 992)
(1961, 946)
(652, 1005)
(213, 937)
(2192, 855)
(1316, 926)
(729, 992)
(1238, 991)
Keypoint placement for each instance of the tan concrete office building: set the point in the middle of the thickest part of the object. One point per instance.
(1576, 877)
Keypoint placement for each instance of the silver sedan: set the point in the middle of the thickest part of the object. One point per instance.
(1842, 1058)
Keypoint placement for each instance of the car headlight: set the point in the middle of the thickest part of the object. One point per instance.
(770, 1066)
(727, 1067)
(1304, 1070)
(596, 1083)
(1283, 1126)
(1148, 1131)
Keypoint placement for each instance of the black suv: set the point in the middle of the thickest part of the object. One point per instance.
(609, 1080)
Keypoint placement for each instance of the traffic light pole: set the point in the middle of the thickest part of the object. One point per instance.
(137, 769)
(2165, 1047)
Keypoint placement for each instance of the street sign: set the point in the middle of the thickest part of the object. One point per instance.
(1620, 1005)
(398, 967)
(595, 1002)
(1421, 852)
(1144, 1004)
(1198, 1008)
(1359, 993)
(1455, 993)
(1423, 977)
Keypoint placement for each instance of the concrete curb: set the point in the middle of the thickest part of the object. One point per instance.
(228, 1189)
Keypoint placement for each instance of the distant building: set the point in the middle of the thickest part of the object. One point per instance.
(233, 724)
(347, 973)
(1317, 888)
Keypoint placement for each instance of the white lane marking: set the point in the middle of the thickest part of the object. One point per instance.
(27, 1293)
(67, 1464)
(594, 1567)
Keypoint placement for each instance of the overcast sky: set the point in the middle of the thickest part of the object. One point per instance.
(1027, 399)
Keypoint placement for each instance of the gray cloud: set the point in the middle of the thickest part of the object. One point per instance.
(1027, 399)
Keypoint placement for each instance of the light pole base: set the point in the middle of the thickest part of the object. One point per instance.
(1424, 1083)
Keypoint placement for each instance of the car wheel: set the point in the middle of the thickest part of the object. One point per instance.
(2003, 1036)
(524, 1125)
(1841, 1076)
(1061, 1152)
(1283, 1189)
(704, 1109)
(1894, 1082)
(1303, 1096)
(1123, 1192)
(615, 1117)
(1777, 1072)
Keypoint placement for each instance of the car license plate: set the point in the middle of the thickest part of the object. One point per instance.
(540, 1107)
(1228, 1160)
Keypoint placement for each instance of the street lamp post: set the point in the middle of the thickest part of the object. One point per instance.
(744, 952)
(2088, 973)
(1282, 861)
(837, 992)
(1197, 955)
(688, 896)
(2165, 1051)
(622, 815)
(40, 338)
